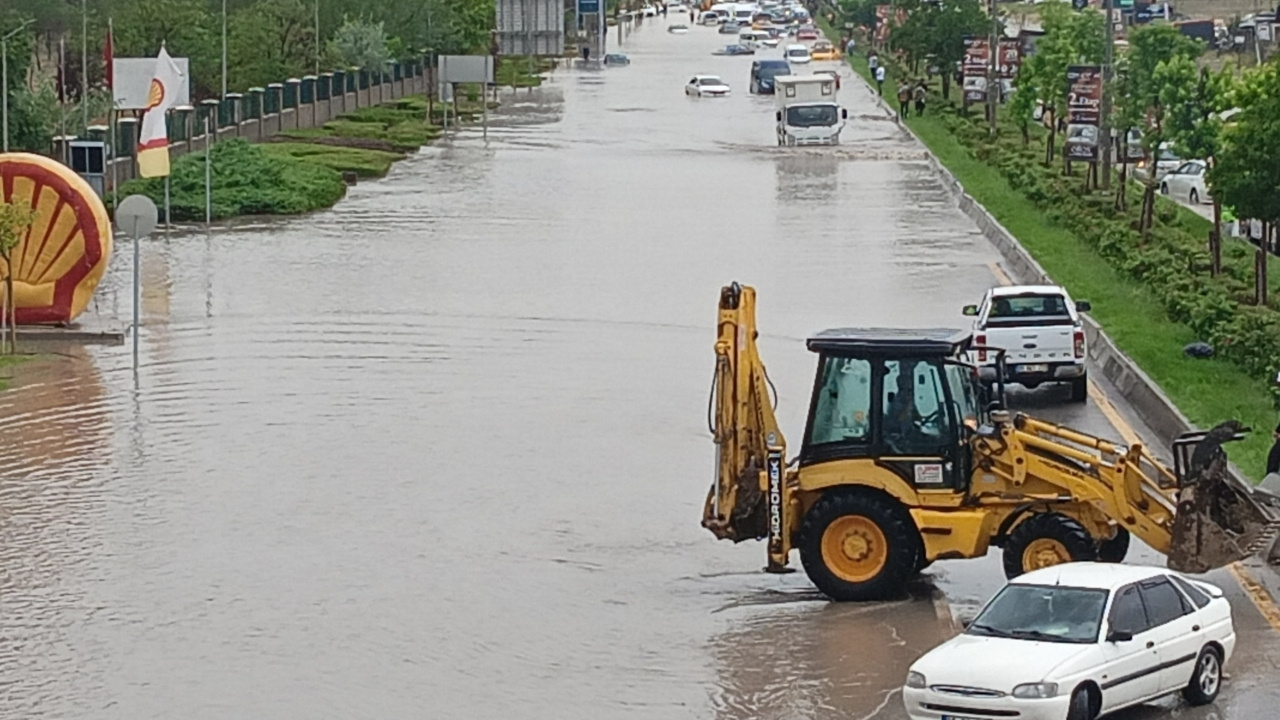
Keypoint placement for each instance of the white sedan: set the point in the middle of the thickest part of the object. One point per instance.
(1077, 641)
(706, 85)
(1187, 183)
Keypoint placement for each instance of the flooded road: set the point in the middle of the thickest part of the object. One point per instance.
(442, 450)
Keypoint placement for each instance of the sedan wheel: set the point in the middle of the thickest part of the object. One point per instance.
(1206, 681)
(1081, 707)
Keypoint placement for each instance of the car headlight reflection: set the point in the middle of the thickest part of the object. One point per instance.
(1035, 691)
(915, 680)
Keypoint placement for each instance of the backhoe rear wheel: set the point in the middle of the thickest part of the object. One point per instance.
(1044, 540)
(1114, 550)
(858, 546)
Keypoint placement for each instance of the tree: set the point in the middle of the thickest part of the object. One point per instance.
(1071, 38)
(935, 31)
(272, 40)
(15, 221)
(1144, 79)
(1246, 174)
(186, 27)
(1194, 100)
(361, 44)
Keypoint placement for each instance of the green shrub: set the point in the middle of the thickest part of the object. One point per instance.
(365, 163)
(246, 181)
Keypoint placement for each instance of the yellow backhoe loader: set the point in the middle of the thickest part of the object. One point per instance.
(905, 460)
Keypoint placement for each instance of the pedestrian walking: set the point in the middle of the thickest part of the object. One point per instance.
(921, 93)
(873, 60)
(691, 20)
(850, 47)
(880, 80)
(904, 99)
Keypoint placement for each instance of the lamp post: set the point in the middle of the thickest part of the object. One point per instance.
(4, 79)
(224, 48)
(84, 63)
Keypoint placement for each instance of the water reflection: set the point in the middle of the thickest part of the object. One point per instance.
(822, 660)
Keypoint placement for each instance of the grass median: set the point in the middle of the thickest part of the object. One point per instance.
(1208, 391)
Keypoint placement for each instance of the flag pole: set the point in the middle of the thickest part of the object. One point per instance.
(166, 206)
(208, 172)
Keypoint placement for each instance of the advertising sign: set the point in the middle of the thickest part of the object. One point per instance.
(1009, 64)
(974, 69)
(1084, 112)
(587, 7)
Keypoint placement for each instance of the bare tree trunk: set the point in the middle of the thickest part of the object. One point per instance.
(946, 86)
(1215, 241)
(1053, 135)
(1122, 196)
(1148, 211)
(9, 305)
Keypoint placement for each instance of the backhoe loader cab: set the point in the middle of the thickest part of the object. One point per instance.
(903, 463)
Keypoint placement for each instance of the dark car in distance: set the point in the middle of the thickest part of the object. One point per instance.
(764, 71)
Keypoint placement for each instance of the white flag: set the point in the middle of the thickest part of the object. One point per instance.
(153, 146)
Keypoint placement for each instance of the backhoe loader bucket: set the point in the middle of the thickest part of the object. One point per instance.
(1218, 521)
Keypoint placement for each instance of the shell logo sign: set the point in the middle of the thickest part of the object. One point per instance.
(57, 266)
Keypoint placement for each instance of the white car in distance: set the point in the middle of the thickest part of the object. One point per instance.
(706, 86)
(797, 54)
(1187, 183)
(1075, 642)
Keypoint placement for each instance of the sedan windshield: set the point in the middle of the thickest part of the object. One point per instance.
(1041, 612)
(812, 116)
(710, 81)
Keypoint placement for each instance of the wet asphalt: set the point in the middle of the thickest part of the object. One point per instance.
(441, 450)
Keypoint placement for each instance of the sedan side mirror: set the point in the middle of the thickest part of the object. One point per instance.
(1083, 306)
(844, 114)
(778, 115)
(972, 310)
(1119, 636)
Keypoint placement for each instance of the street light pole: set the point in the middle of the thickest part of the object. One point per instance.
(224, 48)
(84, 62)
(993, 83)
(317, 38)
(4, 80)
(1104, 121)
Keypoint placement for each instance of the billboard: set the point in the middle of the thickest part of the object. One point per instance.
(974, 69)
(1084, 112)
(530, 27)
(587, 7)
(1008, 65)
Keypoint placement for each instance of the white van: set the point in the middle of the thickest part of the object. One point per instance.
(742, 13)
(797, 54)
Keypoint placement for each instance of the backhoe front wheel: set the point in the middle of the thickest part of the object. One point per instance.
(1044, 540)
(858, 546)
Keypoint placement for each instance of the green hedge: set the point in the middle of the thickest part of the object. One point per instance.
(246, 181)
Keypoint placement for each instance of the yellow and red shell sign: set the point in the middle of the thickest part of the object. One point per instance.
(58, 264)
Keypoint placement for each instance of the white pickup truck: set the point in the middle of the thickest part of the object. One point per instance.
(1039, 328)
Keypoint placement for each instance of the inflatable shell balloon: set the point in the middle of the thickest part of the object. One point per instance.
(58, 265)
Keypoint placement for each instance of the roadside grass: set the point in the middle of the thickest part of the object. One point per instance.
(8, 361)
(1208, 391)
(365, 163)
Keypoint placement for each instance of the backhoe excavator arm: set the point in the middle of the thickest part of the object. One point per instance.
(751, 497)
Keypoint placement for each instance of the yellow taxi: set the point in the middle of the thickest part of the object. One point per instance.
(824, 50)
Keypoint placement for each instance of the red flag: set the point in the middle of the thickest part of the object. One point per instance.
(108, 55)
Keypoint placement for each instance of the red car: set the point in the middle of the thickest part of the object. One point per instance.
(808, 32)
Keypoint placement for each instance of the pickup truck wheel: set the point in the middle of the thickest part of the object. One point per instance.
(858, 546)
(1044, 540)
(1115, 549)
(1080, 389)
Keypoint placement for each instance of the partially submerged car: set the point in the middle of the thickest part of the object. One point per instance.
(678, 29)
(706, 86)
(616, 59)
(734, 50)
(1077, 641)
(824, 50)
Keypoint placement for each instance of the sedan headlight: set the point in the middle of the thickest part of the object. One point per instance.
(1035, 691)
(915, 680)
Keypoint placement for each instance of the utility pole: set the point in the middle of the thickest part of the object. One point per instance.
(224, 48)
(993, 81)
(1104, 120)
(4, 80)
(317, 38)
(84, 63)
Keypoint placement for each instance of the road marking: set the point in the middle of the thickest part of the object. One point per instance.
(1253, 589)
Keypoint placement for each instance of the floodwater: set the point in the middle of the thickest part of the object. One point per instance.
(441, 451)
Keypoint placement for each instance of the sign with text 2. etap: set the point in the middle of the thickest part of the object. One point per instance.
(1084, 112)
(974, 69)
(588, 7)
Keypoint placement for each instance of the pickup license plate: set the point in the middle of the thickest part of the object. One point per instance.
(1023, 369)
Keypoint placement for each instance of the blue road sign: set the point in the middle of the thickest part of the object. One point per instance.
(586, 7)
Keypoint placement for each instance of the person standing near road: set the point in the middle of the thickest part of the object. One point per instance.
(904, 99)
(873, 61)
(691, 20)
(880, 80)
(850, 46)
(921, 93)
